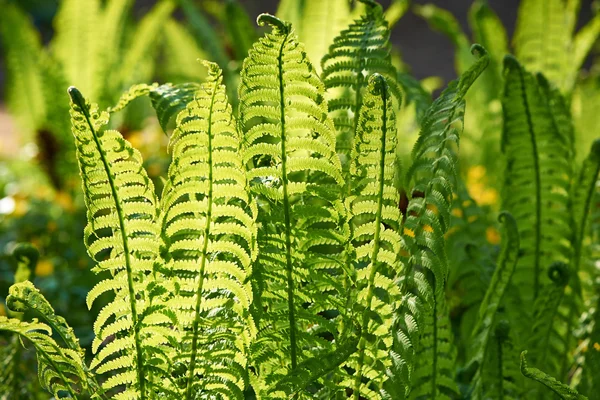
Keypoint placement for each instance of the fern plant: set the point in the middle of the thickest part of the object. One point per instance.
(290, 255)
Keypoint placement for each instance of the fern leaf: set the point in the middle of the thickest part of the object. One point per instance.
(169, 100)
(395, 11)
(432, 178)
(60, 370)
(376, 237)
(482, 332)
(77, 25)
(209, 233)
(563, 391)
(121, 236)
(358, 52)
(289, 146)
(135, 66)
(537, 177)
(22, 55)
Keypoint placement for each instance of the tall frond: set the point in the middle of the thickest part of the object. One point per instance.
(289, 144)
(209, 234)
(536, 178)
(432, 179)
(375, 226)
(122, 237)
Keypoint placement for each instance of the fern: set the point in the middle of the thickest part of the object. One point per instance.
(427, 220)
(288, 147)
(376, 237)
(482, 332)
(544, 36)
(208, 231)
(121, 236)
(359, 51)
(536, 188)
(562, 390)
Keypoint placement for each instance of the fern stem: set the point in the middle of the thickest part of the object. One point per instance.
(286, 211)
(192, 366)
(78, 98)
(376, 243)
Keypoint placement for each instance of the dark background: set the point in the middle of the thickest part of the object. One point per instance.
(428, 53)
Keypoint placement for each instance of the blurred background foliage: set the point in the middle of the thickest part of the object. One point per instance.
(103, 47)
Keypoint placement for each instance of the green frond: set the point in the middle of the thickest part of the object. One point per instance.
(432, 179)
(562, 391)
(501, 371)
(182, 52)
(169, 100)
(544, 40)
(322, 22)
(209, 234)
(122, 237)
(77, 27)
(61, 371)
(395, 11)
(483, 330)
(537, 177)
(24, 90)
(359, 51)
(414, 93)
(107, 46)
(375, 226)
(136, 65)
(288, 147)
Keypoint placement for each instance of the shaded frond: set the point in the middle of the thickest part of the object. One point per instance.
(563, 391)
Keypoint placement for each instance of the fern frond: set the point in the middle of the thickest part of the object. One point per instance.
(182, 52)
(122, 237)
(209, 234)
(135, 66)
(482, 332)
(563, 391)
(22, 48)
(289, 144)
(77, 25)
(375, 226)
(358, 52)
(537, 176)
(60, 370)
(432, 179)
(544, 40)
(169, 100)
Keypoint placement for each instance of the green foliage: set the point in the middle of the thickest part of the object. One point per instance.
(287, 253)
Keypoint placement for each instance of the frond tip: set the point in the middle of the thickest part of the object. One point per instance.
(281, 27)
(562, 390)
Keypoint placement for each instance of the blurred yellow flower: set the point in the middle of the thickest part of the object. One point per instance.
(457, 212)
(44, 268)
(597, 346)
(477, 188)
(64, 200)
(409, 232)
(492, 235)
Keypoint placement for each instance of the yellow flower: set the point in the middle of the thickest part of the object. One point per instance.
(597, 346)
(409, 232)
(492, 235)
(457, 212)
(44, 268)
(475, 173)
(64, 200)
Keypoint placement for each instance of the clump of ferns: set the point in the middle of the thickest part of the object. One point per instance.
(276, 263)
